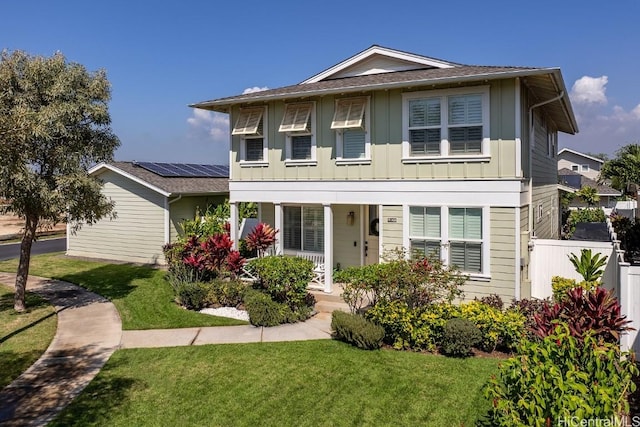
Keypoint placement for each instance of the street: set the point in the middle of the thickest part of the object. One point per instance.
(12, 250)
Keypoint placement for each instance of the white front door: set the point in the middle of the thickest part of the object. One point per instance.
(371, 233)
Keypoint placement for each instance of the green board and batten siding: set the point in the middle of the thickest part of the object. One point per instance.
(386, 144)
(138, 233)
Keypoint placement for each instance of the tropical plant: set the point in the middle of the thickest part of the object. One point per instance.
(560, 378)
(54, 126)
(284, 278)
(261, 238)
(624, 168)
(356, 330)
(596, 312)
(459, 337)
(589, 266)
(589, 195)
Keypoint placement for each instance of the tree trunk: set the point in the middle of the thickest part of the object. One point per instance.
(31, 224)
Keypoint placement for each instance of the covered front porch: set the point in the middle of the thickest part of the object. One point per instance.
(333, 236)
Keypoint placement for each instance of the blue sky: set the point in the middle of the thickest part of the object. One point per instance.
(162, 56)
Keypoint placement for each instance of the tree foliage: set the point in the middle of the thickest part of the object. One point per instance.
(54, 125)
(624, 169)
(589, 195)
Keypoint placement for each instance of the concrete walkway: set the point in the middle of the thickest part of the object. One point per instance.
(90, 330)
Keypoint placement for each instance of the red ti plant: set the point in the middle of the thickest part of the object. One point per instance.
(261, 238)
(581, 310)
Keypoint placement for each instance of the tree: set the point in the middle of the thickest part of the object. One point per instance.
(589, 195)
(54, 125)
(624, 169)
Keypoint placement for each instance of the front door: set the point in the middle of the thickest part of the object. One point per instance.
(371, 233)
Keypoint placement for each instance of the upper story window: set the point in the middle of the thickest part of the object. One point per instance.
(552, 143)
(446, 125)
(298, 124)
(585, 168)
(574, 168)
(457, 236)
(351, 123)
(250, 126)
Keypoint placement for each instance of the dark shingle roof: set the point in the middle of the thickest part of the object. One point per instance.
(603, 190)
(369, 82)
(175, 185)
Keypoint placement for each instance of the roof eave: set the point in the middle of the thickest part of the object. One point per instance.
(224, 105)
(97, 168)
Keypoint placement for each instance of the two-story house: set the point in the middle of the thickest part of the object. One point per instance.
(389, 149)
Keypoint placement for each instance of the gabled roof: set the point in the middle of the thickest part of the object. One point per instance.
(577, 153)
(376, 60)
(379, 68)
(167, 186)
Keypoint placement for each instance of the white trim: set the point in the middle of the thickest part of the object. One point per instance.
(505, 193)
(380, 231)
(306, 162)
(448, 159)
(233, 225)
(568, 150)
(518, 257)
(443, 94)
(328, 247)
(279, 225)
(363, 224)
(167, 220)
(518, 135)
(97, 168)
(373, 50)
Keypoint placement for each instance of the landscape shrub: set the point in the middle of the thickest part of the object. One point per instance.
(493, 300)
(562, 285)
(261, 238)
(356, 330)
(500, 329)
(582, 215)
(559, 378)
(262, 310)
(628, 232)
(528, 307)
(596, 312)
(459, 337)
(284, 278)
(417, 282)
(193, 295)
(590, 266)
(226, 292)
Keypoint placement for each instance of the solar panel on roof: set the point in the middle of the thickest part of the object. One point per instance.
(185, 170)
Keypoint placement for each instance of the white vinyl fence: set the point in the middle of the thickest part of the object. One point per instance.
(551, 258)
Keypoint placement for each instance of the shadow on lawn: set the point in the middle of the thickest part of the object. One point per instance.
(53, 382)
(12, 364)
(113, 281)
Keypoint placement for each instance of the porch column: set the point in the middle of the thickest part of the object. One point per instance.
(279, 225)
(233, 222)
(328, 248)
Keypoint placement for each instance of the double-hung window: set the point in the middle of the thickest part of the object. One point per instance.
(351, 123)
(446, 124)
(465, 239)
(454, 235)
(424, 230)
(303, 228)
(250, 126)
(298, 124)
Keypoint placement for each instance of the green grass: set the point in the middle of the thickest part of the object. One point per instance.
(142, 296)
(312, 383)
(23, 336)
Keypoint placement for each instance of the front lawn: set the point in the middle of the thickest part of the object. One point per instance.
(25, 336)
(312, 383)
(142, 296)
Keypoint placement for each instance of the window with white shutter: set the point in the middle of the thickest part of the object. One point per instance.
(465, 239)
(424, 230)
(250, 126)
(298, 124)
(303, 228)
(451, 123)
(351, 123)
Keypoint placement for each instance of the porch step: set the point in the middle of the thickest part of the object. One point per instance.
(327, 303)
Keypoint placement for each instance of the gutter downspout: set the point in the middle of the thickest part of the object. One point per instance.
(531, 148)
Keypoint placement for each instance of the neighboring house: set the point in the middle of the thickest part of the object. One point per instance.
(151, 199)
(389, 150)
(581, 163)
(572, 182)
